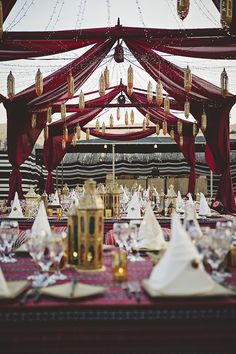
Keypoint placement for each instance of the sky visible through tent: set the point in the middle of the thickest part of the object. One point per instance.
(52, 15)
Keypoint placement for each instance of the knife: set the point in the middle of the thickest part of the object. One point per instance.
(73, 286)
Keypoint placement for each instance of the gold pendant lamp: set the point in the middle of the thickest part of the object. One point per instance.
(107, 77)
(132, 117)
(183, 8)
(1, 19)
(164, 127)
(103, 128)
(102, 87)
(195, 129)
(203, 121)
(149, 92)
(130, 91)
(144, 124)
(70, 85)
(130, 78)
(157, 129)
(74, 140)
(224, 80)
(166, 105)
(172, 134)
(186, 108)
(126, 118)
(63, 143)
(10, 86)
(147, 116)
(187, 79)
(65, 133)
(118, 113)
(81, 101)
(49, 114)
(34, 120)
(87, 134)
(45, 132)
(159, 93)
(39, 83)
(111, 121)
(78, 131)
(226, 12)
(181, 140)
(97, 127)
(179, 127)
(63, 111)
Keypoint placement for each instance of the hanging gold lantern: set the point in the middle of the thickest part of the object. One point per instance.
(159, 93)
(179, 127)
(157, 129)
(65, 133)
(172, 134)
(10, 86)
(226, 11)
(149, 92)
(130, 91)
(39, 83)
(187, 108)
(81, 101)
(181, 140)
(70, 85)
(166, 105)
(224, 80)
(107, 77)
(130, 77)
(49, 114)
(63, 111)
(164, 127)
(74, 140)
(132, 117)
(46, 132)
(103, 128)
(118, 113)
(78, 131)
(33, 120)
(147, 116)
(1, 20)
(111, 121)
(182, 8)
(187, 79)
(203, 121)
(102, 87)
(87, 134)
(195, 129)
(126, 118)
(144, 124)
(63, 144)
(97, 127)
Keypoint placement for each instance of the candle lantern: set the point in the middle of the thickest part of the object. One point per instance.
(65, 190)
(101, 190)
(171, 200)
(31, 202)
(112, 197)
(90, 229)
(72, 245)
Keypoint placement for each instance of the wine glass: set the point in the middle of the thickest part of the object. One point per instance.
(57, 247)
(9, 231)
(120, 233)
(134, 234)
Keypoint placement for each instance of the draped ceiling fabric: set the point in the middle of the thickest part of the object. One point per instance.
(233, 24)
(213, 43)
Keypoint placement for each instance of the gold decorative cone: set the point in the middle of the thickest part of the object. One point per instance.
(183, 8)
(159, 93)
(46, 132)
(226, 12)
(39, 83)
(97, 127)
(164, 127)
(63, 111)
(107, 77)
(179, 127)
(34, 120)
(126, 118)
(203, 121)
(87, 134)
(70, 85)
(81, 101)
(130, 77)
(10, 86)
(111, 121)
(103, 128)
(187, 79)
(102, 87)
(49, 114)
(224, 81)
(78, 131)
(157, 129)
(187, 108)
(132, 117)
(149, 92)
(118, 113)
(166, 105)
(181, 140)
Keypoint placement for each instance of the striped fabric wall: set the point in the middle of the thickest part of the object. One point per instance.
(76, 171)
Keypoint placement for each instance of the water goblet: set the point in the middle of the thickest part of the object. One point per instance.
(134, 234)
(57, 247)
(9, 232)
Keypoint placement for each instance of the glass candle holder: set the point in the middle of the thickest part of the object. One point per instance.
(119, 266)
(59, 213)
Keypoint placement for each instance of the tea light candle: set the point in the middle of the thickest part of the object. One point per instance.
(108, 213)
(119, 266)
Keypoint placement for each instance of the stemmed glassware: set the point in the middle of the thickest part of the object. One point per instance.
(134, 235)
(57, 247)
(9, 231)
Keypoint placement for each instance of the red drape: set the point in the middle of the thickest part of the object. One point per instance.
(7, 6)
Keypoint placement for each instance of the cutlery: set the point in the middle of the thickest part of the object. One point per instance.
(73, 286)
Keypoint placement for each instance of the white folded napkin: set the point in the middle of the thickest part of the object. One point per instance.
(204, 208)
(9, 290)
(190, 217)
(125, 198)
(41, 221)
(16, 211)
(73, 197)
(56, 199)
(4, 290)
(179, 203)
(133, 210)
(150, 233)
(190, 199)
(176, 274)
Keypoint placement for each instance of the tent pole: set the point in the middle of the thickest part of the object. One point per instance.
(113, 162)
(211, 184)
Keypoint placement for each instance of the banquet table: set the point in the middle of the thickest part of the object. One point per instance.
(113, 322)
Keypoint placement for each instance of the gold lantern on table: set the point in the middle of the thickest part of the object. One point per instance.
(90, 229)
(31, 202)
(112, 197)
(101, 190)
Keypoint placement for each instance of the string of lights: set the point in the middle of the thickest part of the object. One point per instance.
(24, 8)
(108, 5)
(207, 13)
(53, 14)
(59, 15)
(78, 15)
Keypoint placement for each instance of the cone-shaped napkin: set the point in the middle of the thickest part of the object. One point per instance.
(56, 199)
(150, 232)
(190, 199)
(125, 198)
(180, 271)
(4, 290)
(133, 210)
(204, 209)
(41, 221)
(179, 203)
(16, 211)
(190, 218)
(74, 197)
(9, 290)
